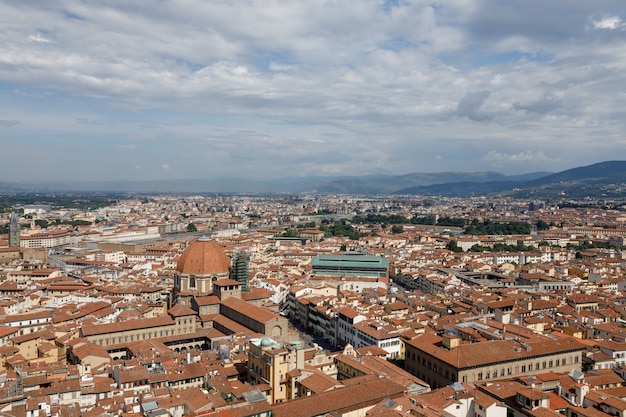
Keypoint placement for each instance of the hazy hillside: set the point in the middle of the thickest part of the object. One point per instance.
(601, 170)
(393, 183)
(601, 180)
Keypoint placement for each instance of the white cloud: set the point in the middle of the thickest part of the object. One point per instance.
(524, 157)
(165, 167)
(281, 82)
(38, 38)
(608, 22)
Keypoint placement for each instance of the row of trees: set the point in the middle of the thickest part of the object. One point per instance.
(489, 227)
(344, 228)
(75, 223)
(4, 228)
(374, 218)
(78, 201)
(339, 228)
(501, 247)
(474, 227)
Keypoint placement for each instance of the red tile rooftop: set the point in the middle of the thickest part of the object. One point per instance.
(96, 329)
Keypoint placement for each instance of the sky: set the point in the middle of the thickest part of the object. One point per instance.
(182, 89)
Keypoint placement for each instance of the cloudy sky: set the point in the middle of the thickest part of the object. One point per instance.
(176, 89)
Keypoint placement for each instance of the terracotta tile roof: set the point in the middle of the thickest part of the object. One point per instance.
(483, 353)
(40, 314)
(7, 330)
(439, 399)
(259, 314)
(603, 377)
(604, 398)
(179, 311)
(348, 312)
(231, 325)
(319, 382)
(44, 334)
(90, 349)
(544, 412)
(256, 294)
(207, 300)
(353, 398)
(226, 282)
(133, 375)
(128, 325)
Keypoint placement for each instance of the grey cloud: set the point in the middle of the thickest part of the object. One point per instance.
(88, 121)
(537, 19)
(470, 105)
(542, 106)
(10, 123)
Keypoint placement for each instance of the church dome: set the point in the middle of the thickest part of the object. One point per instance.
(203, 257)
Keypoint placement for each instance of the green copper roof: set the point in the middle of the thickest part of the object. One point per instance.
(350, 265)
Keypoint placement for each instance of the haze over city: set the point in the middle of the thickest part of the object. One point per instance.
(188, 89)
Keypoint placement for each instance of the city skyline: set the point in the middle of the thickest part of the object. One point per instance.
(189, 89)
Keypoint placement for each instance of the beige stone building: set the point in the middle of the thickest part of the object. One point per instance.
(269, 363)
(179, 321)
(441, 361)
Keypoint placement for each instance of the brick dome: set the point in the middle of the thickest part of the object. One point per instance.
(203, 257)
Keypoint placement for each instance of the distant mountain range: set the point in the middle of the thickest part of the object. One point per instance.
(601, 180)
(417, 182)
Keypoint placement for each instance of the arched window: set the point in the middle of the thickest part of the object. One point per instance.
(192, 282)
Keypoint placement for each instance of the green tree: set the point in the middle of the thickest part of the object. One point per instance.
(291, 232)
(42, 223)
(453, 246)
(542, 225)
(447, 221)
(397, 229)
(192, 227)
